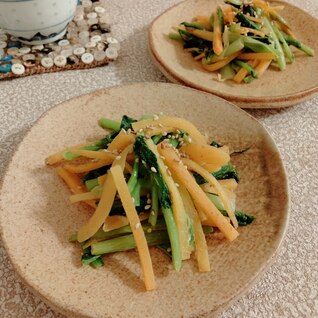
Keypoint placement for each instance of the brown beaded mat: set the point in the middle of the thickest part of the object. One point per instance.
(87, 43)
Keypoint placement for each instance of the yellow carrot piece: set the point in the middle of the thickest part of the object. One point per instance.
(105, 204)
(137, 230)
(210, 166)
(87, 166)
(257, 56)
(153, 131)
(203, 20)
(83, 197)
(216, 66)
(217, 35)
(230, 184)
(172, 160)
(240, 75)
(59, 156)
(202, 34)
(121, 141)
(114, 222)
(100, 155)
(178, 208)
(215, 184)
(75, 184)
(205, 153)
(254, 19)
(201, 248)
(199, 57)
(179, 123)
(262, 67)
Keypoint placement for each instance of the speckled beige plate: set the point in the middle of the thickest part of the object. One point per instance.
(36, 216)
(274, 90)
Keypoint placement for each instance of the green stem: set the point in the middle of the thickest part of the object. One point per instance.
(154, 206)
(280, 53)
(134, 175)
(251, 70)
(136, 194)
(289, 54)
(127, 242)
(109, 124)
(174, 238)
(299, 45)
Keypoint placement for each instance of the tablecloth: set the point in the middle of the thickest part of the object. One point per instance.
(290, 287)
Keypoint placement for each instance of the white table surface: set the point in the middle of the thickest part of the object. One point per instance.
(290, 287)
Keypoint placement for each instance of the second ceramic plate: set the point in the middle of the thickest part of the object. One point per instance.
(274, 90)
(36, 216)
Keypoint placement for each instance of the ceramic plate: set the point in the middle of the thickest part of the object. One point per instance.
(37, 217)
(275, 89)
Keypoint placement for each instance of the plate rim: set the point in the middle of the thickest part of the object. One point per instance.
(259, 102)
(241, 291)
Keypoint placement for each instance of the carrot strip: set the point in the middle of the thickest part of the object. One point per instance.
(172, 160)
(201, 247)
(59, 156)
(205, 153)
(214, 183)
(179, 123)
(121, 141)
(178, 208)
(257, 56)
(220, 64)
(105, 203)
(217, 36)
(262, 67)
(203, 20)
(88, 166)
(200, 56)
(74, 183)
(139, 235)
(83, 197)
(240, 75)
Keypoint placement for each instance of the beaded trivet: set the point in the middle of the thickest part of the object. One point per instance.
(87, 43)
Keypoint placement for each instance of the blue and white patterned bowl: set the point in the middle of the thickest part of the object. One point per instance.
(36, 21)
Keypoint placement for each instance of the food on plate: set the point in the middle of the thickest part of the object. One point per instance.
(156, 181)
(241, 40)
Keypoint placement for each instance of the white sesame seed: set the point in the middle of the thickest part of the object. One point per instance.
(149, 230)
(137, 226)
(189, 139)
(124, 131)
(118, 157)
(177, 185)
(140, 130)
(147, 207)
(153, 169)
(164, 133)
(178, 131)
(155, 117)
(162, 157)
(148, 201)
(160, 125)
(168, 172)
(152, 212)
(173, 137)
(128, 131)
(133, 200)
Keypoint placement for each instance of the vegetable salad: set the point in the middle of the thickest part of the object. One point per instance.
(241, 41)
(156, 181)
